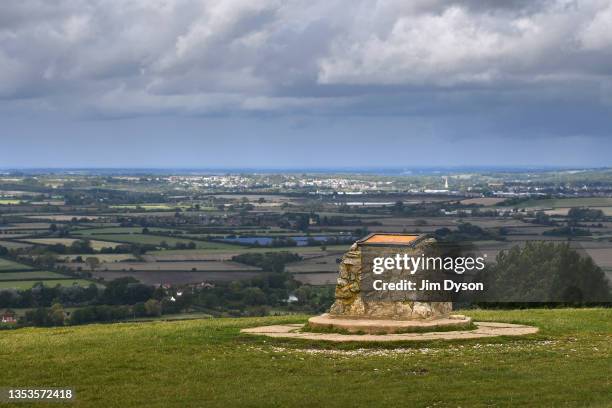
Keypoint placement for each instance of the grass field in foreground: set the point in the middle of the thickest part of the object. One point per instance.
(208, 363)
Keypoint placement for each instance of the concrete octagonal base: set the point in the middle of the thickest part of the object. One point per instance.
(483, 330)
(380, 326)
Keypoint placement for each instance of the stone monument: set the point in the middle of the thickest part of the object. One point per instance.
(357, 310)
(361, 314)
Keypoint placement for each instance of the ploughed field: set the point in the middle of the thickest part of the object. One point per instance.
(209, 363)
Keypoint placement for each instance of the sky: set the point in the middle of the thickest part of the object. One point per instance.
(305, 84)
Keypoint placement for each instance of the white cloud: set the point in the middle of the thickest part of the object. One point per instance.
(149, 56)
(457, 45)
(416, 49)
(597, 32)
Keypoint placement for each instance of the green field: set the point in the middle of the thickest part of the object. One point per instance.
(30, 283)
(8, 265)
(10, 244)
(207, 363)
(5, 201)
(101, 257)
(95, 244)
(116, 230)
(5, 276)
(156, 240)
(244, 250)
(150, 207)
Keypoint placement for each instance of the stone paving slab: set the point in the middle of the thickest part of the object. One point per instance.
(385, 326)
(484, 329)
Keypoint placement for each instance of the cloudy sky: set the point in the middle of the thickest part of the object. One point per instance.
(350, 83)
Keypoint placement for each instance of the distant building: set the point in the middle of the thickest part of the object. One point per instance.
(8, 317)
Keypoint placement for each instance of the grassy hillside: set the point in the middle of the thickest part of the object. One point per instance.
(207, 363)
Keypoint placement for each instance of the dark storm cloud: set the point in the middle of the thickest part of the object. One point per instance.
(465, 68)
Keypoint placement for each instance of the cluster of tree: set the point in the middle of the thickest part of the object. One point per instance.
(567, 232)
(43, 316)
(74, 196)
(57, 316)
(421, 210)
(215, 230)
(100, 313)
(465, 232)
(479, 212)
(543, 272)
(136, 249)
(173, 219)
(109, 313)
(44, 296)
(514, 201)
(80, 246)
(137, 221)
(36, 257)
(47, 258)
(120, 291)
(62, 230)
(543, 219)
(585, 214)
(313, 299)
(268, 261)
(172, 233)
(338, 220)
(178, 245)
(83, 246)
(126, 290)
(236, 297)
(298, 221)
(360, 232)
(257, 297)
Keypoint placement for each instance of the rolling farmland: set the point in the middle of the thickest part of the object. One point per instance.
(148, 228)
(15, 275)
